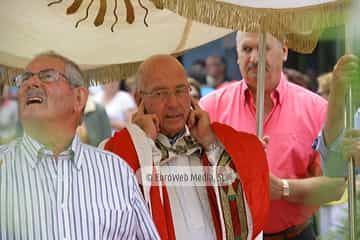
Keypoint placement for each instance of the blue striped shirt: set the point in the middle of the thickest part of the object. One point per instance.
(86, 193)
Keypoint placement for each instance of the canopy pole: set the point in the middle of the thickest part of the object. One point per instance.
(260, 89)
(349, 123)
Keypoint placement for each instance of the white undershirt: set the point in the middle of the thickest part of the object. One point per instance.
(190, 207)
(189, 204)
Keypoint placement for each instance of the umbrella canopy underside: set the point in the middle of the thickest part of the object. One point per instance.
(30, 27)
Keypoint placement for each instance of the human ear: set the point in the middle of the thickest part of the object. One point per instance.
(138, 98)
(285, 52)
(81, 96)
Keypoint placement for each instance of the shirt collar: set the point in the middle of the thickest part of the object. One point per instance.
(174, 139)
(182, 143)
(37, 151)
(281, 88)
(277, 95)
(168, 142)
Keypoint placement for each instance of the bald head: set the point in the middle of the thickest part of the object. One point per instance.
(154, 66)
(163, 88)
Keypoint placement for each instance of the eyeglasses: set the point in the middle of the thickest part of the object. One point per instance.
(164, 94)
(47, 75)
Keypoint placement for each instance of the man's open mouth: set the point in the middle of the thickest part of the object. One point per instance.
(174, 116)
(34, 100)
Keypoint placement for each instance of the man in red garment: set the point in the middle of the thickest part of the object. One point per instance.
(170, 131)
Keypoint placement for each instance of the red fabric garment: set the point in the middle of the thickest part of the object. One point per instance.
(214, 211)
(250, 163)
(122, 145)
(163, 218)
(249, 158)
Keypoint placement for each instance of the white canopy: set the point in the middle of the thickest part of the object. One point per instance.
(29, 27)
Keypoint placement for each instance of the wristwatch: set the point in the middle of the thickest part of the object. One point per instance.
(286, 188)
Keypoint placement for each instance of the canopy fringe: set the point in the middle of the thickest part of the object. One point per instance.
(95, 76)
(303, 20)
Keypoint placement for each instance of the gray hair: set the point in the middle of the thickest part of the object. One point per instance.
(72, 71)
(238, 38)
(239, 34)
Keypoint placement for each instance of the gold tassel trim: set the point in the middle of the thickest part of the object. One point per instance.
(8, 74)
(97, 76)
(275, 21)
(94, 76)
(109, 73)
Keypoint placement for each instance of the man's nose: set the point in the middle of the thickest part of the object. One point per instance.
(172, 99)
(33, 81)
(254, 55)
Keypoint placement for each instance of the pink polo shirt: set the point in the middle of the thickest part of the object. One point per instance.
(292, 125)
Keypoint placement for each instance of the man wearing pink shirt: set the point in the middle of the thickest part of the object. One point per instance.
(293, 118)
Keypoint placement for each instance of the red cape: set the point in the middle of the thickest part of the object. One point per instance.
(248, 156)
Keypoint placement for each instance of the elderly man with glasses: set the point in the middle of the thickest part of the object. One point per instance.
(51, 185)
(201, 180)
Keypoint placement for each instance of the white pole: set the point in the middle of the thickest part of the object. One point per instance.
(351, 165)
(260, 89)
